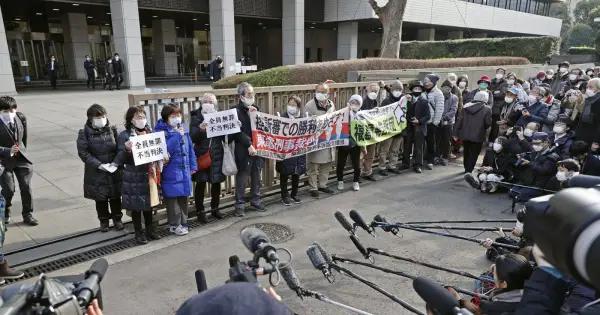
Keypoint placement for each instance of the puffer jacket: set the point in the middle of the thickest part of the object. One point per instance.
(95, 147)
(176, 177)
(325, 155)
(135, 192)
(293, 166)
(537, 113)
(501, 162)
(503, 303)
(201, 145)
(562, 145)
(450, 108)
(473, 122)
(435, 97)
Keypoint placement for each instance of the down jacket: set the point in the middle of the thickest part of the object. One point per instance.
(135, 193)
(201, 145)
(473, 122)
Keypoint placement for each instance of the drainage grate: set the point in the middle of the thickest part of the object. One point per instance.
(277, 233)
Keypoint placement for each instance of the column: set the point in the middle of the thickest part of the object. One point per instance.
(222, 33)
(347, 40)
(77, 46)
(164, 38)
(7, 81)
(426, 34)
(127, 39)
(239, 41)
(292, 32)
(455, 35)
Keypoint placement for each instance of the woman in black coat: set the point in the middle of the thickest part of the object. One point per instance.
(213, 174)
(136, 188)
(97, 148)
(588, 129)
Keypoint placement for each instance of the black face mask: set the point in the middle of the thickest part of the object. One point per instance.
(416, 94)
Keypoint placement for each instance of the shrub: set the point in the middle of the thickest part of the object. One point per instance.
(536, 49)
(581, 35)
(582, 50)
(337, 71)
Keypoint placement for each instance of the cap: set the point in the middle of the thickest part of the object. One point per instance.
(484, 78)
(539, 137)
(415, 83)
(513, 90)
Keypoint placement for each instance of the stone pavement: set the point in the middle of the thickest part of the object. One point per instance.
(53, 119)
(157, 278)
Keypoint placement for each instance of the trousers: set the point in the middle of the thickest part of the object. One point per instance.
(177, 211)
(23, 174)
(215, 195)
(470, 154)
(136, 217)
(444, 133)
(283, 184)
(343, 153)
(389, 151)
(115, 213)
(318, 174)
(414, 141)
(367, 162)
(252, 171)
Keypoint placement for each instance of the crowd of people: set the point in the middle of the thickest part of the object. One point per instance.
(109, 71)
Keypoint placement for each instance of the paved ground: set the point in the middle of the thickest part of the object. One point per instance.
(54, 117)
(157, 278)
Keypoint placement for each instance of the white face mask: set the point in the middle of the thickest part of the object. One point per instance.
(549, 76)
(372, 96)
(12, 115)
(528, 132)
(561, 176)
(88, 59)
(572, 77)
(99, 122)
(208, 108)
(497, 147)
(537, 147)
(247, 101)
(292, 110)
(509, 99)
(139, 123)
(499, 76)
(354, 107)
(590, 92)
(396, 93)
(321, 97)
(462, 84)
(559, 130)
(510, 81)
(175, 121)
(532, 99)
(563, 69)
(117, 58)
(519, 133)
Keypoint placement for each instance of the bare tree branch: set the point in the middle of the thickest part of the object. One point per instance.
(378, 10)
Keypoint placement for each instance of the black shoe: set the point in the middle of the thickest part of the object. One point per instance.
(286, 201)
(443, 162)
(151, 235)
(118, 225)
(8, 273)
(418, 170)
(30, 220)
(370, 177)
(296, 199)
(140, 238)
(216, 214)
(314, 193)
(259, 207)
(429, 166)
(201, 215)
(394, 170)
(472, 181)
(104, 226)
(326, 190)
(383, 173)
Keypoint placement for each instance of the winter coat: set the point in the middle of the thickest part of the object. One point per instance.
(516, 146)
(537, 113)
(553, 111)
(450, 107)
(498, 89)
(293, 166)
(418, 108)
(472, 124)
(368, 103)
(215, 69)
(588, 129)
(543, 293)
(390, 100)
(243, 140)
(95, 147)
(135, 192)
(501, 162)
(562, 145)
(325, 155)
(541, 169)
(471, 95)
(435, 97)
(201, 145)
(89, 67)
(557, 83)
(591, 164)
(109, 70)
(176, 176)
(502, 303)
(118, 66)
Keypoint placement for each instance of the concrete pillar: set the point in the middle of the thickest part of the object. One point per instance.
(480, 35)
(455, 35)
(164, 38)
(347, 40)
(127, 39)
(239, 42)
(7, 81)
(293, 32)
(222, 33)
(75, 30)
(426, 34)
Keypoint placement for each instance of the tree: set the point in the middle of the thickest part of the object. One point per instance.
(561, 11)
(581, 35)
(583, 9)
(391, 16)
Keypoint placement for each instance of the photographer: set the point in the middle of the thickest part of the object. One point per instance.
(496, 166)
(537, 167)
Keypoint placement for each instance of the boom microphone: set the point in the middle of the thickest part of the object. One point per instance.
(259, 243)
(88, 288)
(290, 277)
(436, 297)
(319, 262)
(357, 218)
(201, 284)
(325, 254)
(387, 228)
(359, 246)
(342, 220)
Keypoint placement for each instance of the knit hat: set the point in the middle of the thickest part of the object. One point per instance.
(434, 78)
(539, 137)
(484, 78)
(481, 96)
(541, 75)
(396, 85)
(415, 83)
(357, 98)
(501, 69)
(502, 140)
(570, 164)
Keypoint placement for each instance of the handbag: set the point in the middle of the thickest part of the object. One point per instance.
(229, 167)
(204, 161)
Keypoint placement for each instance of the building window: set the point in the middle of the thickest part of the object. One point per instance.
(319, 54)
(376, 53)
(307, 54)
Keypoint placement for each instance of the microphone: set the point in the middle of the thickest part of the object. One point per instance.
(88, 288)
(359, 246)
(387, 228)
(291, 279)
(325, 254)
(200, 280)
(355, 216)
(319, 262)
(257, 242)
(342, 220)
(436, 296)
(234, 261)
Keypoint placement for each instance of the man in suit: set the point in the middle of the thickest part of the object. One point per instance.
(90, 68)
(15, 159)
(118, 70)
(52, 71)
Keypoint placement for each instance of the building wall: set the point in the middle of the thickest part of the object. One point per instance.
(369, 43)
(324, 39)
(451, 13)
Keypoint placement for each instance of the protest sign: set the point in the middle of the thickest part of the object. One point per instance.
(280, 138)
(221, 123)
(148, 148)
(378, 124)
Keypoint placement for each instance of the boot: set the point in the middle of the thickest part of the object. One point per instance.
(216, 213)
(7, 216)
(118, 224)
(151, 234)
(103, 226)
(8, 273)
(140, 238)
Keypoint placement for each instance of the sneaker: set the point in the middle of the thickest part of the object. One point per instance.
(471, 180)
(181, 230)
(259, 207)
(443, 162)
(314, 193)
(452, 156)
(286, 201)
(418, 170)
(239, 213)
(172, 229)
(429, 166)
(370, 177)
(8, 273)
(340, 185)
(383, 173)
(296, 199)
(355, 186)
(327, 190)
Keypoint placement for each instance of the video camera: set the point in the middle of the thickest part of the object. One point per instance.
(68, 295)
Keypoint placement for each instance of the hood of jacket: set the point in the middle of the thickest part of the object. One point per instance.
(513, 296)
(473, 107)
(161, 125)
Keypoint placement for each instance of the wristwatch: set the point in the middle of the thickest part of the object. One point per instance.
(461, 303)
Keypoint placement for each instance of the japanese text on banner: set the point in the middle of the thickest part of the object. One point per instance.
(280, 138)
(378, 124)
(221, 123)
(148, 148)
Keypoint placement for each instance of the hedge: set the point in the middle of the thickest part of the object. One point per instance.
(536, 49)
(337, 71)
(583, 50)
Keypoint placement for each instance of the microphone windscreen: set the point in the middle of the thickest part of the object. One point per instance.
(436, 296)
(379, 218)
(290, 277)
(234, 261)
(99, 267)
(359, 246)
(315, 256)
(357, 218)
(325, 254)
(201, 280)
(252, 237)
(342, 219)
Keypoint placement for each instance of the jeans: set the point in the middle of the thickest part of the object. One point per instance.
(253, 171)
(7, 181)
(470, 154)
(283, 184)
(115, 210)
(177, 211)
(215, 196)
(343, 153)
(414, 141)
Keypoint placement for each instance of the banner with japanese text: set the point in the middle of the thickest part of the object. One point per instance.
(378, 124)
(280, 138)
(148, 148)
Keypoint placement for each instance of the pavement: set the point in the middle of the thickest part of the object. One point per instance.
(53, 120)
(158, 277)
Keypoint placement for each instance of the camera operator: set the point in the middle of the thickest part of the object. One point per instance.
(497, 166)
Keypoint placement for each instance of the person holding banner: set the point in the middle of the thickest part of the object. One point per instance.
(417, 115)
(320, 162)
(176, 179)
(370, 102)
(389, 150)
(295, 166)
(136, 191)
(202, 146)
(352, 150)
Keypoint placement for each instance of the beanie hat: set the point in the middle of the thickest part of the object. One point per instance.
(539, 137)
(357, 98)
(541, 75)
(502, 140)
(481, 96)
(434, 78)
(396, 85)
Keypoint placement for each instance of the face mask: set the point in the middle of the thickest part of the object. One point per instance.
(572, 77)
(528, 132)
(6, 117)
(292, 110)
(117, 58)
(559, 130)
(372, 96)
(590, 92)
(510, 81)
(416, 94)
(532, 99)
(53, 59)
(561, 176)
(208, 108)
(497, 147)
(175, 121)
(247, 101)
(354, 107)
(563, 69)
(110, 61)
(462, 84)
(499, 76)
(549, 76)
(537, 147)
(590, 73)
(509, 99)
(139, 123)
(396, 93)
(88, 59)
(99, 122)
(519, 133)
(321, 97)
(12, 115)
(483, 86)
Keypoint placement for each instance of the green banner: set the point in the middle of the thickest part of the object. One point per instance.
(375, 125)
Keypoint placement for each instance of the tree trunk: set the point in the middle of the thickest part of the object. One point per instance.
(391, 16)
